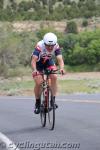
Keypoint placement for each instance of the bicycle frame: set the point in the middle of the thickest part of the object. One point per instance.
(45, 86)
(46, 80)
(47, 100)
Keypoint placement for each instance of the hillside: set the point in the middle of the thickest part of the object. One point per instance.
(18, 1)
(57, 10)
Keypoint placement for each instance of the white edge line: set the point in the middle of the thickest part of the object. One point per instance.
(59, 99)
(81, 101)
(68, 100)
(8, 143)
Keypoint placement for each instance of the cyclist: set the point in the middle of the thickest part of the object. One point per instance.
(42, 58)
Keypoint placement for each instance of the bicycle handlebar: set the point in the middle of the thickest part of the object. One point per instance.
(47, 72)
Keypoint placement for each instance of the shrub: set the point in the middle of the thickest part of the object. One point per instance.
(85, 23)
(71, 27)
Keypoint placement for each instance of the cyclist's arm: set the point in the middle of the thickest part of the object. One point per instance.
(35, 57)
(33, 62)
(60, 61)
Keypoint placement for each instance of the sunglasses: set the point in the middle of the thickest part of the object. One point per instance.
(49, 45)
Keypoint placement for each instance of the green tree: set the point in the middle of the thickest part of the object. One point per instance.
(13, 5)
(68, 43)
(66, 2)
(1, 4)
(71, 27)
(25, 6)
(79, 55)
(94, 49)
(37, 5)
(91, 4)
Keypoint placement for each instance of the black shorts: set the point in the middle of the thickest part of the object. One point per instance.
(40, 66)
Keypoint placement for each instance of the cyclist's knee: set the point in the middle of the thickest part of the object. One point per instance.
(38, 81)
(53, 77)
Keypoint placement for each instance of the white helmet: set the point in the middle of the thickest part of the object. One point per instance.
(50, 38)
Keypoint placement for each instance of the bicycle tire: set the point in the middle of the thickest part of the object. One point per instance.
(42, 110)
(51, 110)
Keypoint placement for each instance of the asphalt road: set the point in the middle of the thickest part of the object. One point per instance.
(77, 124)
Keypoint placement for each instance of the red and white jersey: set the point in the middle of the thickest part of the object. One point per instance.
(41, 51)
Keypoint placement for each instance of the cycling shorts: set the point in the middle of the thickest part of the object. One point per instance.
(42, 66)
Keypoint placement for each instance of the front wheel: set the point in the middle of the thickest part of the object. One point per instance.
(42, 110)
(51, 110)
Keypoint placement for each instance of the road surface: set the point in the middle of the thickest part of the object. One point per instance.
(77, 124)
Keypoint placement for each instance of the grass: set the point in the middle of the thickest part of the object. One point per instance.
(83, 68)
(16, 87)
(79, 86)
(64, 86)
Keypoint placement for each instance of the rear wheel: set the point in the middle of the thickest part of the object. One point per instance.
(51, 110)
(42, 110)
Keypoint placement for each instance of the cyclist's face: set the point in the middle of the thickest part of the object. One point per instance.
(49, 47)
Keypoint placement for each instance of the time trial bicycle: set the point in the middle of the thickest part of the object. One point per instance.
(47, 105)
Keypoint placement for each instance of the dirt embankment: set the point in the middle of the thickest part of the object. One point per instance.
(59, 26)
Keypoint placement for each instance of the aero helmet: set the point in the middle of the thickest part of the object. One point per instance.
(50, 39)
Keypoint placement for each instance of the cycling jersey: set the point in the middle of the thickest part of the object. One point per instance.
(42, 52)
(45, 58)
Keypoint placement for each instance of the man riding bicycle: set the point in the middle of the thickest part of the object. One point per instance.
(42, 58)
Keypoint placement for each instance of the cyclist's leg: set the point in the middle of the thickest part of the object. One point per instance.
(37, 90)
(53, 77)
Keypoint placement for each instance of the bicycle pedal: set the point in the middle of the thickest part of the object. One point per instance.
(56, 106)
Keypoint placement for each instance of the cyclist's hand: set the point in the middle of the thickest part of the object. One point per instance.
(35, 73)
(62, 71)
